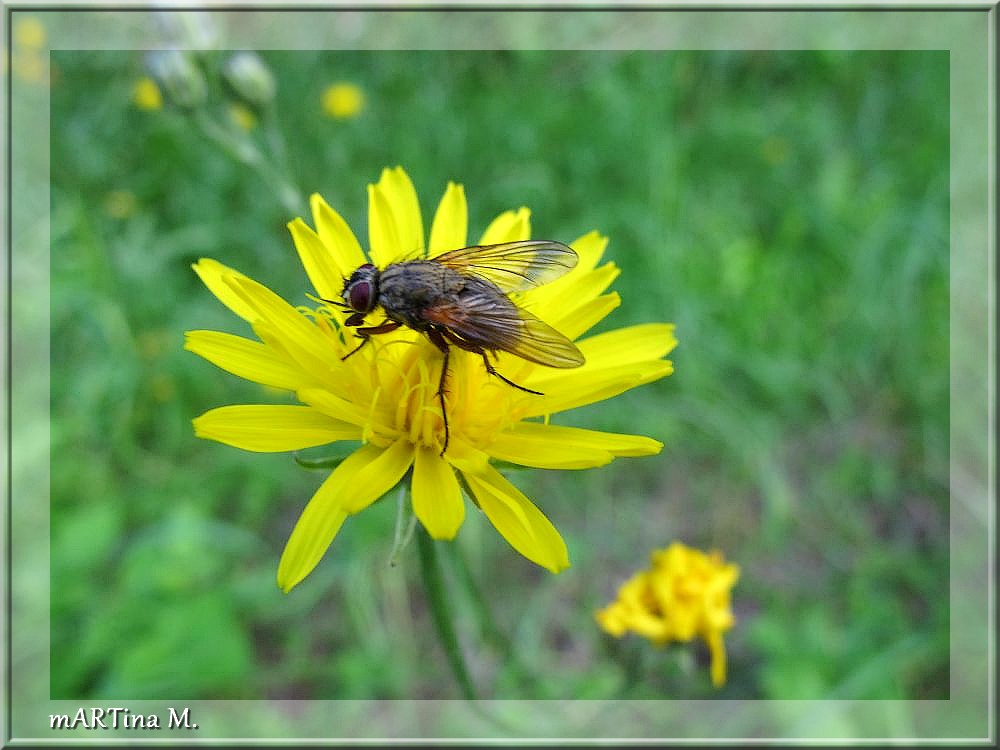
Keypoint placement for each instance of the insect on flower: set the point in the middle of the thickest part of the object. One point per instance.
(460, 298)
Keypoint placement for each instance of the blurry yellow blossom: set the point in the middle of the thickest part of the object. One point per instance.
(343, 100)
(28, 60)
(146, 94)
(30, 66)
(243, 117)
(119, 204)
(29, 34)
(162, 387)
(684, 594)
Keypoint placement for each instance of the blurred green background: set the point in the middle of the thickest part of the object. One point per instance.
(788, 211)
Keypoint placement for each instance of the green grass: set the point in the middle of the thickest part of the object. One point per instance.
(788, 211)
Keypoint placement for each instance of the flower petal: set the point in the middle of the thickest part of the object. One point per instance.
(530, 448)
(245, 358)
(272, 428)
(518, 520)
(213, 273)
(537, 438)
(565, 298)
(321, 520)
(510, 226)
(567, 389)
(437, 498)
(300, 337)
(342, 409)
(383, 238)
(402, 197)
(378, 476)
(451, 222)
(638, 343)
(589, 249)
(318, 261)
(337, 236)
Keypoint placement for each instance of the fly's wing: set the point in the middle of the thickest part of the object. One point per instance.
(491, 322)
(513, 266)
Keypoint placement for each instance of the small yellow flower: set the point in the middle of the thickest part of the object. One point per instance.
(146, 94)
(386, 394)
(684, 594)
(30, 66)
(343, 101)
(243, 117)
(119, 204)
(29, 34)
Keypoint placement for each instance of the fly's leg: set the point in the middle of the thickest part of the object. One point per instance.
(476, 349)
(492, 371)
(439, 341)
(368, 331)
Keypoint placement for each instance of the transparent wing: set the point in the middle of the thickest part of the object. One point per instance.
(513, 266)
(497, 323)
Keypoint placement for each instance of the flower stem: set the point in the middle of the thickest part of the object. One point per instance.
(431, 569)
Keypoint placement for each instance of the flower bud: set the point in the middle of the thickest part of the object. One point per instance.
(249, 79)
(180, 79)
(193, 30)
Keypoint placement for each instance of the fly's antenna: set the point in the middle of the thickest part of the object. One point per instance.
(335, 303)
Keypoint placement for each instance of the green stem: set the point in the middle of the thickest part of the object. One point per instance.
(437, 598)
(406, 522)
(487, 622)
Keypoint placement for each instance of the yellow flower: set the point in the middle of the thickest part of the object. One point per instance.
(684, 594)
(146, 94)
(29, 34)
(120, 204)
(386, 394)
(243, 117)
(343, 100)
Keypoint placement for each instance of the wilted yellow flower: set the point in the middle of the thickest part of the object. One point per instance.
(684, 594)
(386, 394)
(146, 94)
(343, 100)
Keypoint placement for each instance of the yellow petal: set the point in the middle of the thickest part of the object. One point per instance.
(272, 428)
(578, 307)
(717, 648)
(245, 358)
(337, 236)
(568, 289)
(629, 345)
(321, 520)
(583, 319)
(300, 337)
(450, 228)
(318, 261)
(589, 249)
(566, 390)
(558, 447)
(378, 476)
(437, 498)
(213, 273)
(518, 520)
(402, 198)
(510, 226)
(342, 409)
(527, 447)
(464, 457)
(383, 238)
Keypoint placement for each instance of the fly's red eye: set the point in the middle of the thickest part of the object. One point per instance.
(360, 296)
